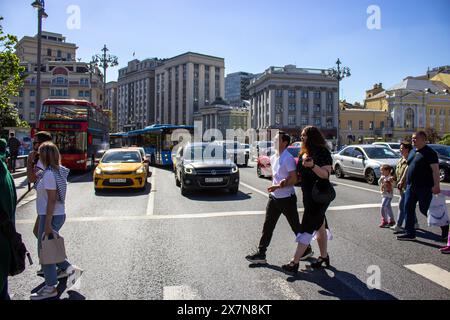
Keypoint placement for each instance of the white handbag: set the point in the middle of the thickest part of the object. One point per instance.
(52, 251)
(438, 213)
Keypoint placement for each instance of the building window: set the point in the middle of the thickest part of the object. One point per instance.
(69, 57)
(87, 94)
(409, 119)
(382, 124)
(304, 121)
(317, 122)
(371, 125)
(305, 94)
(32, 105)
(21, 93)
(32, 116)
(277, 119)
(278, 93)
(317, 108)
(278, 108)
(350, 125)
(305, 108)
(329, 108)
(329, 123)
(32, 93)
(330, 95)
(291, 93)
(317, 95)
(292, 107)
(59, 54)
(291, 120)
(81, 93)
(49, 52)
(361, 125)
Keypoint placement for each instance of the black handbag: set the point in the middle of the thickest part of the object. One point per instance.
(323, 191)
(17, 248)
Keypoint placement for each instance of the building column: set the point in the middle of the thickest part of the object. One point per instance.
(212, 77)
(264, 96)
(323, 108)
(271, 107)
(285, 107)
(189, 93)
(298, 108)
(201, 86)
(311, 107)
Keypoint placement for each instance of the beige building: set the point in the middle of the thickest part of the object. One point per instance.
(185, 84)
(290, 98)
(414, 104)
(359, 125)
(62, 77)
(136, 94)
(223, 117)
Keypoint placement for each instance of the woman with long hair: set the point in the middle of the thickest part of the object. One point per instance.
(50, 203)
(314, 164)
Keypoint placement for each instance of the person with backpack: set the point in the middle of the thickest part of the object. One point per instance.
(51, 192)
(8, 199)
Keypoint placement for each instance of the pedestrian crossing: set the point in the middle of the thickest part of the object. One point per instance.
(432, 273)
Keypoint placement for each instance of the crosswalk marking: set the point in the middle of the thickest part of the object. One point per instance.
(285, 289)
(431, 272)
(180, 293)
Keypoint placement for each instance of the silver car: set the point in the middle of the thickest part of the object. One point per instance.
(363, 161)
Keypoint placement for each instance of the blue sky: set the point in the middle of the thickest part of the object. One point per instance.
(254, 34)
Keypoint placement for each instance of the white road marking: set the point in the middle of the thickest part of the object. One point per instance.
(285, 289)
(151, 197)
(432, 272)
(199, 215)
(361, 188)
(265, 194)
(179, 293)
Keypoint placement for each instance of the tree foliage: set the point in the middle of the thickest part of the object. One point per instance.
(12, 76)
(432, 135)
(445, 139)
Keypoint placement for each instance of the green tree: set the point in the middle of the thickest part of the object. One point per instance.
(12, 76)
(445, 139)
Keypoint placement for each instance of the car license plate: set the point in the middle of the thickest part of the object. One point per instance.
(213, 180)
(117, 180)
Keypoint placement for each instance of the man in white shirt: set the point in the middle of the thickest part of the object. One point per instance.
(282, 198)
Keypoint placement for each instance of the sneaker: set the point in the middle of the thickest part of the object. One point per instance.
(257, 257)
(445, 250)
(384, 224)
(308, 253)
(397, 228)
(46, 292)
(391, 224)
(406, 237)
(61, 274)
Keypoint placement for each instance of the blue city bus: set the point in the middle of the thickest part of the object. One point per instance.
(157, 141)
(118, 140)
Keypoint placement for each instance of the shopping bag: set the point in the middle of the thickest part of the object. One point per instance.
(52, 250)
(438, 212)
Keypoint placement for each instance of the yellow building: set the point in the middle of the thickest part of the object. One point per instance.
(360, 125)
(414, 104)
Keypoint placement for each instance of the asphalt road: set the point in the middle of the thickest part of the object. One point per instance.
(158, 244)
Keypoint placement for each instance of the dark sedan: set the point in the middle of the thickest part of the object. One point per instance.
(202, 166)
(443, 152)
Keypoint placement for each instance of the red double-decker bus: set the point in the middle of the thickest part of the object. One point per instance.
(79, 128)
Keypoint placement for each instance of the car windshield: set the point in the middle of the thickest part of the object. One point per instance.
(122, 157)
(395, 146)
(213, 152)
(294, 151)
(380, 153)
(442, 150)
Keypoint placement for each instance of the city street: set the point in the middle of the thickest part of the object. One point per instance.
(157, 244)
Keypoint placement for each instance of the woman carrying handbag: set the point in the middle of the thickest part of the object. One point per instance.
(51, 193)
(314, 166)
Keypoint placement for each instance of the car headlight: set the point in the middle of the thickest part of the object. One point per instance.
(98, 170)
(189, 170)
(140, 170)
(234, 169)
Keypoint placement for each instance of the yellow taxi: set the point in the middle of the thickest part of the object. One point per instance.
(119, 169)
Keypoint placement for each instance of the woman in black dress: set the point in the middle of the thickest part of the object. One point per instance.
(314, 164)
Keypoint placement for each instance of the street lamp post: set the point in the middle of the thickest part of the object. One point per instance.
(338, 74)
(40, 6)
(106, 61)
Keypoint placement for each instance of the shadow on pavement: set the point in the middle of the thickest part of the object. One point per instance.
(217, 195)
(343, 285)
